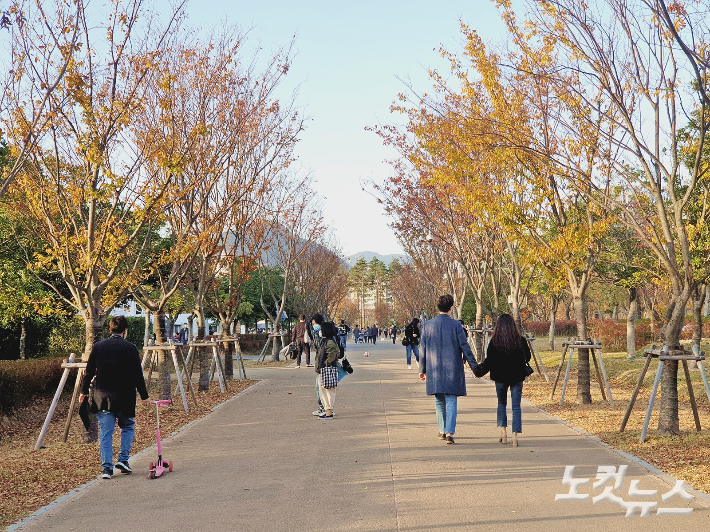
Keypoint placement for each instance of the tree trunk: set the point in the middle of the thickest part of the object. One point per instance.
(668, 416)
(164, 358)
(584, 395)
(190, 322)
(553, 323)
(23, 339)
(615, 313)
(146, 331)
(698, 302)
(274, 344)
(631, 323)
(228, 361)
(204, 355)
(479, 326)
(94, 328)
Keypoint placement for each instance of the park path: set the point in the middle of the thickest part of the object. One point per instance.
(262, 462)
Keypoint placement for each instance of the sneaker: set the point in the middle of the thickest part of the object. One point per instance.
(442, 436)
(309, 365)
(107, 474)
(123, 467)
(450, 440)
(318, 412)
(298, 367)
(409, 367)
(326, 416)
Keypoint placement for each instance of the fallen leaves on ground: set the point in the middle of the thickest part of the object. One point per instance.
(31, 479)
(683, 457)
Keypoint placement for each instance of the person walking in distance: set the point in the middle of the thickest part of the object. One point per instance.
(411, 341)
(356, 333)
(506, 358)
(116, 364)
(343, 331)
(298, 338)
(375, 331)
(441, 365)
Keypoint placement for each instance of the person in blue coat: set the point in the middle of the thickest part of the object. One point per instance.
(441, 365)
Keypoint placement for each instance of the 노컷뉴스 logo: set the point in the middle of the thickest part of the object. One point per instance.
(608, 474)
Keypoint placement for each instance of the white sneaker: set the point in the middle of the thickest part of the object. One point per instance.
(409, 367)
(319, 412)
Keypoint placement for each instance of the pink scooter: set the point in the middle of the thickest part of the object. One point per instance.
(159, 467)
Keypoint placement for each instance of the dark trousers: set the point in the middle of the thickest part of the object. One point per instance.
(374, 339)
(303, 346)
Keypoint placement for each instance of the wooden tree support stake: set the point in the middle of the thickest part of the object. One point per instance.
(152, 352)
(662, 355)
(68, 365)
(595, 350)
(537, 359)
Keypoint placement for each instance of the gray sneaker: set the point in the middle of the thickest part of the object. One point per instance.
(319, 412)
(107, 474)
(123, 467)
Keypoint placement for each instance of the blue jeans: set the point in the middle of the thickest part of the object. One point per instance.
(107, 423)
(411, 347)
(516, 392)
(343, 340)
(446, 412)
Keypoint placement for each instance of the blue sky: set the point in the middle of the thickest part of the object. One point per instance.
(349, 56)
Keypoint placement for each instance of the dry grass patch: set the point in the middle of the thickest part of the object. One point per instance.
(684, 457)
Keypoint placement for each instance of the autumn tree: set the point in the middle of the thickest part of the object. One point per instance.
(296, 223)
(42, 39)
(640, 78)
(85, 189)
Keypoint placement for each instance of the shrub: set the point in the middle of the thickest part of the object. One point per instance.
(612, 335)
(542, 328)
(22, 381)
(251, 343)
(67, 337)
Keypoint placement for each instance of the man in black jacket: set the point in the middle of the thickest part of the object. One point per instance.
(116, 364)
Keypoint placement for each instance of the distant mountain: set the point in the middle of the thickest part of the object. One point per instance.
(368, 255)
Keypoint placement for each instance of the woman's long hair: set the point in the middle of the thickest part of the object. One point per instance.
(414, 322)
(505, 335)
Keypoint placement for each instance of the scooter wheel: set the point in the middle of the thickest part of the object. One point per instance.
(170, 466)
(151, 475)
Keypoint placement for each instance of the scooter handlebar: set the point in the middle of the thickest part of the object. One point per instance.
(162, 402)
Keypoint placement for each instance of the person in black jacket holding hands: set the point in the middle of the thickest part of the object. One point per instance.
(506, 358)
(116, 364)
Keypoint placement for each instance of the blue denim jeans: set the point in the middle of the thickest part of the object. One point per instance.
(415, 348)
(446, 412)
(343, 340)
(516, 392)
(107, 424)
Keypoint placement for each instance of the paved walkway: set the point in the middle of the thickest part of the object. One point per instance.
(262, 462)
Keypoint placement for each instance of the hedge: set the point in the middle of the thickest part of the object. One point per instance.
(542, 328)
(251, 343)
(22, 381)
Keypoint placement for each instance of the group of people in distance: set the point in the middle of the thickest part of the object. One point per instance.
(444, 348)
(366, 334)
